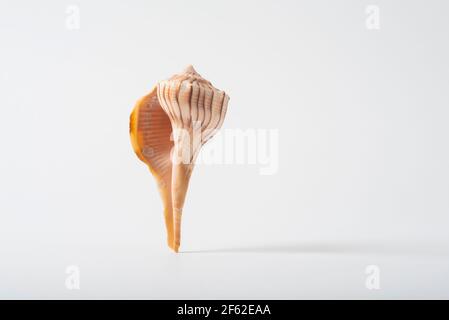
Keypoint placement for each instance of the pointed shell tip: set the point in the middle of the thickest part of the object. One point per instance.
(189, 69)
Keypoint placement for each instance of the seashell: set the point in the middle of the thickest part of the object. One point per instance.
(168, 126)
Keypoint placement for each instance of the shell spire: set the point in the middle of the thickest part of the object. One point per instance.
(190, 69)
(168, 128)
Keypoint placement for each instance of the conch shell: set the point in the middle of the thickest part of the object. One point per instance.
(168, 127)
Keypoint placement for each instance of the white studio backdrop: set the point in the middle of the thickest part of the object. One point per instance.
(356, 91)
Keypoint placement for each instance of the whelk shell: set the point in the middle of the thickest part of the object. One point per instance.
(168, 126)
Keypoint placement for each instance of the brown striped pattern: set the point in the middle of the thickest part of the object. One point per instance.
(188, 98)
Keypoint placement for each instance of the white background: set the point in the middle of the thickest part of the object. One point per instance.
(363, 150)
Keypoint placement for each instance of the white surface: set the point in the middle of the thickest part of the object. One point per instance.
(363, 175)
